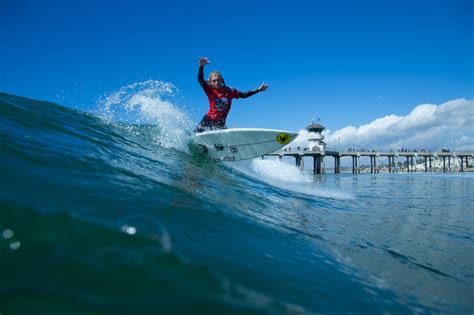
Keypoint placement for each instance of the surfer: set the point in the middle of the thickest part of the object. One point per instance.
(220, 98)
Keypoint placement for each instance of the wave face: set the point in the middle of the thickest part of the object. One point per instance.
(109, 213)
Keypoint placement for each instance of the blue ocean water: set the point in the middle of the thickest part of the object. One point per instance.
(99, 216)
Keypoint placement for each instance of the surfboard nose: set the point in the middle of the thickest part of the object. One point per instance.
(284, 137)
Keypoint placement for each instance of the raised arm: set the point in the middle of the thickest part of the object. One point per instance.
(202, 62)
(261, 88)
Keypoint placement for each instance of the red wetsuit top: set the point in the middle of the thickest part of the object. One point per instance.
(220, 99)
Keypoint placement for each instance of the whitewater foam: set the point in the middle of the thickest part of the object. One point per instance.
(287, 177)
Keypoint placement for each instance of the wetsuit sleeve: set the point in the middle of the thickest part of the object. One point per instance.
(201, 80)
(248, 93)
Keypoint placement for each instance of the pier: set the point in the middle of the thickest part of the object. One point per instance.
(431, 161)
(442, 158)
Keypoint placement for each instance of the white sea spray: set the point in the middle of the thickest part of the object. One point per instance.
(151, 102)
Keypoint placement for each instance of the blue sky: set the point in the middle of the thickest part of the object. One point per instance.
(345, 62)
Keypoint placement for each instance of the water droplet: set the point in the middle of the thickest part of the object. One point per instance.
(129, 229)
(7, 233)
(149, 227)
(15, 245)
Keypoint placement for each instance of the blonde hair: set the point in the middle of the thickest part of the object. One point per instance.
(217, 73)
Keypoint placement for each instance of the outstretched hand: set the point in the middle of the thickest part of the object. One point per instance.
(203, 61)
(262, 87)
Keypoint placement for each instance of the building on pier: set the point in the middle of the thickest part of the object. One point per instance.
(316, 137)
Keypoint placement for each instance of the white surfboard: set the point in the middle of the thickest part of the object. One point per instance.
(239, 144)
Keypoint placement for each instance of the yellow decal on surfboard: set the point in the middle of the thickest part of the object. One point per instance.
(283, 138)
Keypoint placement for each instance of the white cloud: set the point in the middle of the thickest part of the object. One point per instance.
(428, 126)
